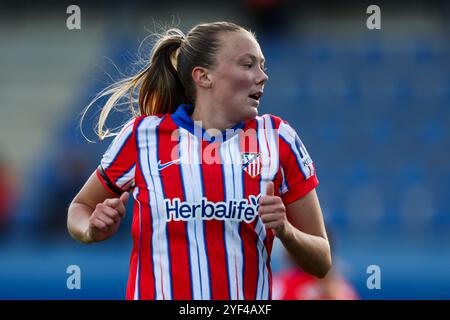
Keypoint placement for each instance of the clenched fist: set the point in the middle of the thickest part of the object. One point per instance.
(106, 218)
(273, 212)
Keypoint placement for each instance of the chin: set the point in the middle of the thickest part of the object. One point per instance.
(250, 113)
(245, 112)
(254, 111)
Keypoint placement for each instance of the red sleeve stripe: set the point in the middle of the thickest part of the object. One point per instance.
(300, 190)
(107, 182)
(297, 158)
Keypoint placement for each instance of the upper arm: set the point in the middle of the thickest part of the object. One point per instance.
(297, 170)
(93, 192)
(115, 174)
(306, 215)
(118, 164)
(298, 184)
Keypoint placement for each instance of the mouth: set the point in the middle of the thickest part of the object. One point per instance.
(256, 96)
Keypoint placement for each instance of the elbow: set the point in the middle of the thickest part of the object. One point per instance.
(69, 223)
(73, 225)
(72, 232)
(324, 268)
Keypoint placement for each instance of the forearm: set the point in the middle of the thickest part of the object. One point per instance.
(78, 221)
(311, 253)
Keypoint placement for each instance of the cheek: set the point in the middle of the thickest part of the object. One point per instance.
(244, 84)
(238, 82)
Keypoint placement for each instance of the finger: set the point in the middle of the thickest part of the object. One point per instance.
(268, 200)
(112, 202)
(265, 209)
(105, 219)
(270, 189)
(274, 225)
(118, 203)
(123, 201)
(124, 197)
(115, 204)
(121, 209)
(102, 208)
(112, 213)
(271, 217)
(100, 225)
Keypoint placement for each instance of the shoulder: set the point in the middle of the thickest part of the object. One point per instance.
(269, 120)
(151, 117)
(148, 120)
(131, 125)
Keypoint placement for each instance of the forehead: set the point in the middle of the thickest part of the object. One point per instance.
(235, 45)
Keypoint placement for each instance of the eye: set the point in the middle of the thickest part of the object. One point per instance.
(248, 65)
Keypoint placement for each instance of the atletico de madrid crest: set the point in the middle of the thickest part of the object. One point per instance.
(251, 163)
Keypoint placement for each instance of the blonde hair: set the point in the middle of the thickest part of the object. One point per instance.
(166, 80)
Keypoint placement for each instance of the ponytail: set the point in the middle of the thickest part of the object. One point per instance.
(160, 88)
(166, 80)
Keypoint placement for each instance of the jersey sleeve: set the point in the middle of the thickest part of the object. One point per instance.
(297, 169)
(118, 164)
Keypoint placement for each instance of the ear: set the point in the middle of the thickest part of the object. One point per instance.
(201, 77)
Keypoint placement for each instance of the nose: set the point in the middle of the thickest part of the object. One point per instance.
(262, 78)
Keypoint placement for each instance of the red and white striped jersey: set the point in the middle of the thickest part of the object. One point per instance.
(196, 229)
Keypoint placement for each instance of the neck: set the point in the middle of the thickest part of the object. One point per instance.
(211, 118)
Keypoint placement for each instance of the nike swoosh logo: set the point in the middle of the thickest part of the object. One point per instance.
(167, 164)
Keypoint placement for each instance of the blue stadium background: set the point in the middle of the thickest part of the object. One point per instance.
(371, 106)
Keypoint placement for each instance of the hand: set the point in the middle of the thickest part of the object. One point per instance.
(273, 212)
(106, 218)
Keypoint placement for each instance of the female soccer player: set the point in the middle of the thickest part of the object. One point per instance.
(213, 182)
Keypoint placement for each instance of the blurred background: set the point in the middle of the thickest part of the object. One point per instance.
(371, 106)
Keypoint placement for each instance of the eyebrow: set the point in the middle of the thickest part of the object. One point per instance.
(251, 56)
